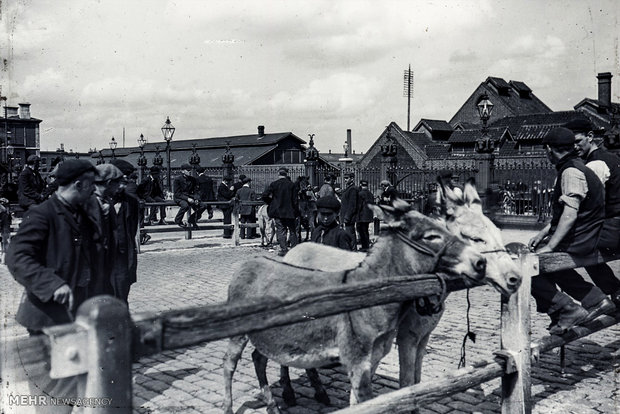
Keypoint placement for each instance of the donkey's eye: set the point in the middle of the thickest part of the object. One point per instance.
(474, 239)
(432, 237)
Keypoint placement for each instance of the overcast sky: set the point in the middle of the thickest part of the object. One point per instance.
(90, 68)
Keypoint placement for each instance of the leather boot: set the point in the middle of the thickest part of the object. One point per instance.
(570, 315)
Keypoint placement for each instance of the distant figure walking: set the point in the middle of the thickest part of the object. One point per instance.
(30, 185)
(282, 208)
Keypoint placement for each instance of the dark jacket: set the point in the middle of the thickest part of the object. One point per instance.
(150, 188)
(105, 253)
(349, 209)
(50, 249)
(612, 186)
(283, 203)
(388, 196)
(583, 236)
(126, 264)
(332, 235)
(365, 214)
(224, 193)
(246, 194)
(30, 185)
(184, 188)
(205, 188)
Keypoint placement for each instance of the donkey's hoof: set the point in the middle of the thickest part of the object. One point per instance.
(289, 398)
(322, 398)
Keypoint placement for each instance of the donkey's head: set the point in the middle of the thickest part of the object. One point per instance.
(463, 216)
(423, 245)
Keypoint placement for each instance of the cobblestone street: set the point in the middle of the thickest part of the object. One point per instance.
(176, 273)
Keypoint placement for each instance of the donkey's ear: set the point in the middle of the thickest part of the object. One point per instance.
(390, 215)
(446, 196)
(470, 195)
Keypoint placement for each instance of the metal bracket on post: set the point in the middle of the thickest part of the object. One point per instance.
(509, 358)
(68, 354)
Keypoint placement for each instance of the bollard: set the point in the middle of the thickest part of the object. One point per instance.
(107, 322)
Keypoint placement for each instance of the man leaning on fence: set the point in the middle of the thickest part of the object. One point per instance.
(52, 257)
(578, 214)
(186, 197)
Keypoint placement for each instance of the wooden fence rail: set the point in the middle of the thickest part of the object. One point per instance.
(185, 327)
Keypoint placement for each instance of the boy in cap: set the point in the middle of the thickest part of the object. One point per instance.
(30, 185)
(51, 256)
(578, 214)
(226, 192)
(328, 231)
(185, 196)
(365, 215)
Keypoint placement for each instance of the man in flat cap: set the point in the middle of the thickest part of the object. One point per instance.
(100, 208)
(247, 213)
(606, 166)
(578, 213)
(328, 231)
(349, 207)
(151, 191)
(365, 215)
(30, 185)
(226, 192)
(328, 187)
(51, 256)
(186, 197)
(283, 209)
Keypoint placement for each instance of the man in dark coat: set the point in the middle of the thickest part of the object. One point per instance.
(247, 214)
(30, 185)
(51, 256)
(283, 209)
(578, 214)
(186, 197)
(151, 191)
(327, 231)
(205, 189)
(127, 207)
(349, 207)
(226, 192)
(389, 193)
(365, 215)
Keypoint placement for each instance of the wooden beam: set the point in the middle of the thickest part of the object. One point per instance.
(551, 262)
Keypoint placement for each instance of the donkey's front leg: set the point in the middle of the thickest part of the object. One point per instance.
(360, 374)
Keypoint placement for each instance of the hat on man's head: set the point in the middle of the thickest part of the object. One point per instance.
(282, 170)
(245, 179)
(579, 125)
(32, 159)
(186, 167)
(242, 177)
(155, 169)
(445, 174)
(384, 182)
(364, 182)
(349, 175)
(71, 169)
(227, 178)
(125, 166)
(107, 172)
(558, 137)
(328, 204)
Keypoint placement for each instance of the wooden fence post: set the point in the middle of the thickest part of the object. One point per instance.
(516, 341)
(109, 355)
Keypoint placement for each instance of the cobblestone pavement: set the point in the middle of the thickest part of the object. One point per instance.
(177, 273)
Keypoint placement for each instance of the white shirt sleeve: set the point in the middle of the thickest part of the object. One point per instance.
(601, 170)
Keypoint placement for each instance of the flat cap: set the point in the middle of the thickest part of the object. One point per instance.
(227, 178)
(71, 169)
(328, 203)
(558, 137)
(246, 180)
(32, 159)
(283, 170)
(242, 177)
(364, 182)
(125, 166)
(107, 172)
(579, 125)
(384, 182)
(186, 167)
(445, 174)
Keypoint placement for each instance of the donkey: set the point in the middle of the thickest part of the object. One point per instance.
(266, 225)
(358, 339)
(462, 215)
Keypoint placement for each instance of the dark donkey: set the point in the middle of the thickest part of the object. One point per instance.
(359, 339)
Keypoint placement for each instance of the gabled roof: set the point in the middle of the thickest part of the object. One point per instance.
(472, 135)
(434, 125)
(592, 107)
(412, 142)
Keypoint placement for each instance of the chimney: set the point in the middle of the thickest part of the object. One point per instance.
(604, 89)
(349, 141)
(11, 111)
(261, 130)
(24, 110)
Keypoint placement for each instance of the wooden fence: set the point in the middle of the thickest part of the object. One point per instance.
(104, 339)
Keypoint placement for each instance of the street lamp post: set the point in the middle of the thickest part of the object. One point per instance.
(141, 158)
(168, 131)
(113, 145)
